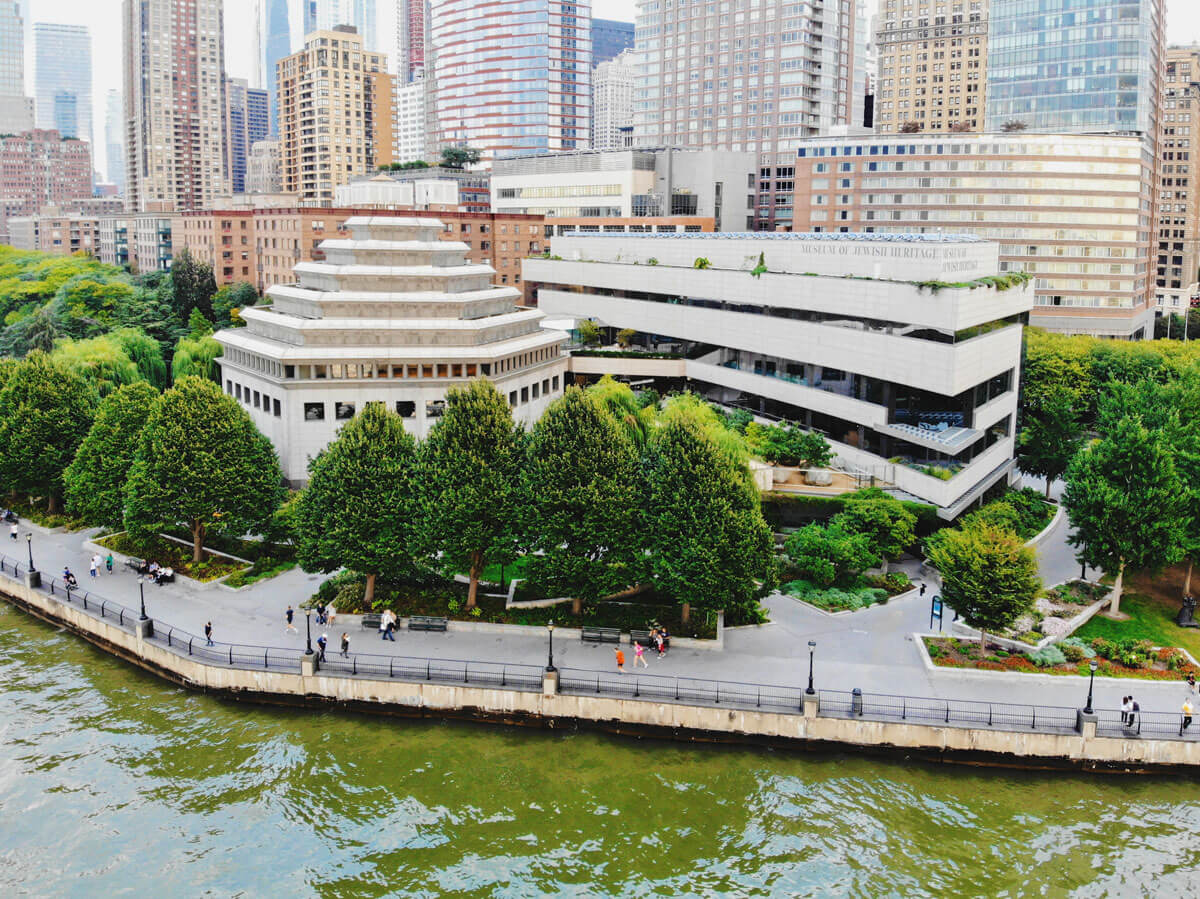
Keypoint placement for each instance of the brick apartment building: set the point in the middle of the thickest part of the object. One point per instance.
(40, 168)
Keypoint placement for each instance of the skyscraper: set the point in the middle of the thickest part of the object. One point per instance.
(63, 78)
(114, 139)
(245, 124)
(359, 13)
(753, 78)
(1074, 66)
(174, 102)
(932, 65)
(278, 44)
(1179, 196)
(612, 100)
(16, 109)
(609, 38)
(513, 81)
(410, 40)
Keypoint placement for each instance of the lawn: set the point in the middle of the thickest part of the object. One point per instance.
(262, 569)
(1152, 617)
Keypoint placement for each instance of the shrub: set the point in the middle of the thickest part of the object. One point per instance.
(935, 651)
(1074, 653)
(1047, 657)
(894, 582)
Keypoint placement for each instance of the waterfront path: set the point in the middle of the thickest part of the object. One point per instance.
(872, 649)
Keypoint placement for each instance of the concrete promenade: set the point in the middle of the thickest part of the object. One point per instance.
(872, 649)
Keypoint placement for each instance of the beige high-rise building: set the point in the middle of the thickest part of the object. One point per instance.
(174, 103)
(1179, 199)
(334, 112)
(932, 65)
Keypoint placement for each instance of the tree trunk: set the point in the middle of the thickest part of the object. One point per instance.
(1047, 488)
(884, 567)
(369, 591)
(577, 606)
(55, 505)
(476, 569)
(685, 612)
(982, 639)
(197, 540)
(1115, 607)
(1187, 581)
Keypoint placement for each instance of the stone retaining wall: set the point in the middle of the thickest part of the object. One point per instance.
(1082, 751)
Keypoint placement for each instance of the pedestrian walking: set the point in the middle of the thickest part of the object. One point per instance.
(345, 646)
(1134, 711)
(389, 632)
(322, 641)
(1187, 714)
(12, 532)
(620, 659)
(208, 641)
(1126, 708)
(639, 655)
(922, 589)
(1191, 682)
(108, 563)
(383, 626)
(94, 566)
(658, 642)
(290, 615)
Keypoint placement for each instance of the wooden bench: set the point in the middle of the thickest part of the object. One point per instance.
(643, 637)
(426, 623)
(138, 565)
(372, 620)
(600, 634)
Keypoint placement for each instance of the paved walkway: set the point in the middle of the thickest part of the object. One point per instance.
(872, 649)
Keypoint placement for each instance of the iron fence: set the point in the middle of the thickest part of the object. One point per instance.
(644, 687)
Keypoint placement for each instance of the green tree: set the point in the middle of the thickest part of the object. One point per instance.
(710, 546)
(1050, 439)
(625, 337)
(829, 554)
(589, 332)
(45, 412)
(582, 471)
(889, 527)
(202, 464)
(459, 157)
(988, 576)
(197, 354)
(95, 480)
(100, 360)
(144, 351)
(230, 300)
(358, 509)
(1125, 500)
(470, 482)
(788, 444)
(192, 286)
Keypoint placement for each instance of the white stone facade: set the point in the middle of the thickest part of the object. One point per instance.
(612, 101)
(836, 334)
(392, 315)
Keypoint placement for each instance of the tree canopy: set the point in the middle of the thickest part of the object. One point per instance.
(1050, 439)
(200, 463)
(889, 527)
(95, 479)
(358, 509)
(470, 482)
(830, 554)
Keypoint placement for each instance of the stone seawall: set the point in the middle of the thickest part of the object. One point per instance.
(676, 721)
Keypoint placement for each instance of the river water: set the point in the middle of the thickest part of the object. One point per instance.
(112, 781)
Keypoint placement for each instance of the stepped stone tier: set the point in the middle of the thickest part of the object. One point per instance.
(394, 315)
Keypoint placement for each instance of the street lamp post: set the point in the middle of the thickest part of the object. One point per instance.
(1087, 709)
(29, 543)
(308, 630)
(142, 593)
(812, 645)
(550, 660)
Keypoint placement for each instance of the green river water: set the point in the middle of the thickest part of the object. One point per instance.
(113, 782)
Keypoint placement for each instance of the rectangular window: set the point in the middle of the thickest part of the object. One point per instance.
(536, 391)
(512, 398)
(435, 408)
(314, 411)
(343, 411)
(524, 394)
(256, 399)
(554, 382)
(237, 391)
(229, 387)
(406, 408)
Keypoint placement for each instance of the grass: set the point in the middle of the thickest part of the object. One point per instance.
(172, 555)
(1152, 617)
(262, 569)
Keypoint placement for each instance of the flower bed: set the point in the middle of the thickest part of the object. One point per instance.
(1132, 659)
(173, 555)
(868, 591)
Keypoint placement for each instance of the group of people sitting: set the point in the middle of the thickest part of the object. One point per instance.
(157, 573)
(660, 639)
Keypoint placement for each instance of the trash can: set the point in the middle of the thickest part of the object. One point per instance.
(856, 702)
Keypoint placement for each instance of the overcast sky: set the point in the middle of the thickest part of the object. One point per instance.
(103, 17)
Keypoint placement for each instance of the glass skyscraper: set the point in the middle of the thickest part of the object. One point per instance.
(1074, 65)
(278, 45)
(63, 78)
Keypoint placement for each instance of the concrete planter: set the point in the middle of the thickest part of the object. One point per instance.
(121, 558)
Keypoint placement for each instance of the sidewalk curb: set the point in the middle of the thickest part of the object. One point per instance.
(1045, 532)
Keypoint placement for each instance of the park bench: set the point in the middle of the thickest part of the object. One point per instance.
(589, 634)
(643, 637)
(138, 565)
(372, 620)
(426, 623)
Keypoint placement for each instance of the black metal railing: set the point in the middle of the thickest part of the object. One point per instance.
(644, 687)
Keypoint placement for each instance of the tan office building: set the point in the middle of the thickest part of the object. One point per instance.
(932, 65)
(1074, 210)
(1179, 199)
(334, 113)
